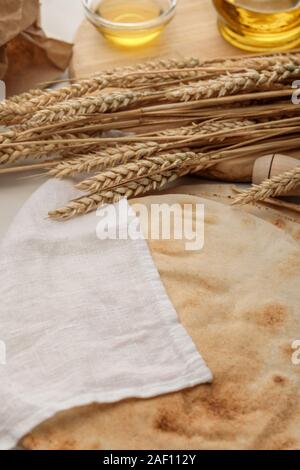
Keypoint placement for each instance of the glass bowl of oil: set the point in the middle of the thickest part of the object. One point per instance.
(260, 25)
(130, 23)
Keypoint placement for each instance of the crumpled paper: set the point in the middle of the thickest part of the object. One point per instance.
(27, 56)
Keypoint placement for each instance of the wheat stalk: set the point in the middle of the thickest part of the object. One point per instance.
(12, 111)
(11, 106)
(196, 161)
(10, 153)
(234, 83)
(228, 108)
(8, 137)
(165, 111)
(148, 167)
(225, 85)
(277, 203)
(27, 107)
(82, 106)
(114, 156)
(119, 155)
(276, 186)
(91, 202)
(109, 157)
(263, 62)
(133, 171)
(23, 151)
(27, 103)
(23, 97)
(207, 127)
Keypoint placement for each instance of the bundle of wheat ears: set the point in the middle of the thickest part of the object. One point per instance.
(128, 131)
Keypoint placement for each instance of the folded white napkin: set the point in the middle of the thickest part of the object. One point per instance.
(82, 319)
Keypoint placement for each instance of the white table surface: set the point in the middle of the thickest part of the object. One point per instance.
(60, 19)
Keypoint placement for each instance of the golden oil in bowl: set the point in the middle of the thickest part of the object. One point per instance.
(130, 23)
(260, 25)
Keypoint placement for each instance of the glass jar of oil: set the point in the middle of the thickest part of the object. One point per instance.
(130, 23)
(260, 25)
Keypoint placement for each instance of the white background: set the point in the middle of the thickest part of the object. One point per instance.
(60, 19)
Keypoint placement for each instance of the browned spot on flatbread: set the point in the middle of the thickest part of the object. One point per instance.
(68, 444)
(173, 421)
(35, 442)
(211, 219)
(297, 235)
(166, 421)
(219, 400)
(271, 316)
(213, 284)
(208, 283)
(202, 406)
(279, 379)
(29, 442)
(223, 405)
(56, 441)
(290, 267)
(164, 247)
(283, 443)
(287, 351)
(280, 223)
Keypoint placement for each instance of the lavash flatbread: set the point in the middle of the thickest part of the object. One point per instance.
(239, 298)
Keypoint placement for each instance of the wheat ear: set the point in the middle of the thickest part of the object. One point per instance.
(90, 202)
(262, 62)
(20, 151)
(62, 94)
(276, 186)
(11, 105)
(22, 97)
(232, 84)
(148, 167)
(84, 106)
(8, 136)
(23, 151)
(132, 171)
(108, 158)
(111, 157)
(225, 85)
(29, 102)
(208, 127)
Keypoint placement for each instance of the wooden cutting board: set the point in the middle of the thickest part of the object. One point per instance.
(193, 32)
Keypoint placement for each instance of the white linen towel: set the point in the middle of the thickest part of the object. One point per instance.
(82, 319)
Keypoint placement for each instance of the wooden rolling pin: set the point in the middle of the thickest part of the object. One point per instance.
(272, 165)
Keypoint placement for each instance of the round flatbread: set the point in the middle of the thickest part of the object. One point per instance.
(239, 299)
